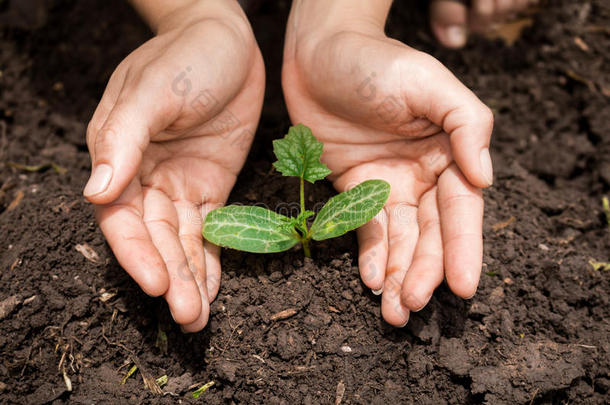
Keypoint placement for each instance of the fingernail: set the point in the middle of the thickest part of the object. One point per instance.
(456, 35)
(471, 297)
(486, 166)
(378, 292)
(404, 324)
(99, 180)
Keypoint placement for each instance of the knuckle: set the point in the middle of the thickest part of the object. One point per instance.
(487, 117)
(192, 240)
(104, 141)
(152, 74)
(426, 67)
(162, 223)
(463, 198)
(429, 224)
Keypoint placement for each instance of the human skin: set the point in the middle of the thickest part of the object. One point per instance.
(385, 110)
(452, 20)
(167, 141)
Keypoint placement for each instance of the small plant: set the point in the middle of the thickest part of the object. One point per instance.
(259, 230)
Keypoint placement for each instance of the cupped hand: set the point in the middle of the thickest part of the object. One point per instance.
(167, 141)
(387, 111)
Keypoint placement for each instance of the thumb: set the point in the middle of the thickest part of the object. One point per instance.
(469, 123)
(116, 148)
(469, 128)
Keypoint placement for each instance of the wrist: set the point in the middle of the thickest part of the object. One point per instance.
(163, 16)
(312, 22)
(310, 18)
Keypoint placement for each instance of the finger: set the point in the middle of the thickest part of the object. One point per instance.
(143, 108)
(161, 219)
(461, 213)
(124, 229)
(448, 20)
(402, 235)
(469, 122)
(189, 231)
(212, 257)
(212, 265)
(373, 251)
(426, 271)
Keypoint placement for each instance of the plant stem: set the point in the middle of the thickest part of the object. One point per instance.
(305, 238)
(302, 195)
(305, 243)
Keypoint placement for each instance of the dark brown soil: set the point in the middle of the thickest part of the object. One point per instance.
(537, 331)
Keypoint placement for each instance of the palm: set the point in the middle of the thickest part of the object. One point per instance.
(374, 125)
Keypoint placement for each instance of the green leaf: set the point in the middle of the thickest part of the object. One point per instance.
(350, 210)
(298, 154)
(251, 229)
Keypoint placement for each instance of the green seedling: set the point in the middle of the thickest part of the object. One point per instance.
(259, 230)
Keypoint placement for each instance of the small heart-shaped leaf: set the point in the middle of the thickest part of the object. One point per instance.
(298, 154)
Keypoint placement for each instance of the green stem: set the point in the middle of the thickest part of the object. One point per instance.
(305, 238)
(302, 195)
(305, 243)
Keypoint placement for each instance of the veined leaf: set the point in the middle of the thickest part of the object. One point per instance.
(350, 209)
(298, 154)
(251, 229)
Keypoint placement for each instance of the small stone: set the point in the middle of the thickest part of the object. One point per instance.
(544, 247)
(346, 349)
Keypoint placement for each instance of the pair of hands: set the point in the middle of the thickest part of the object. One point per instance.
(177, 118)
